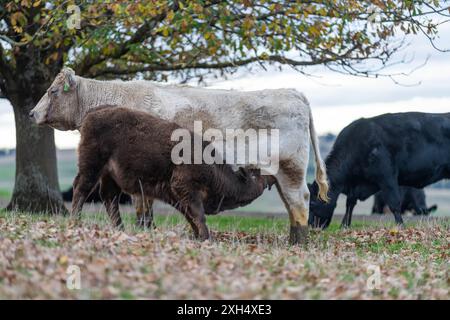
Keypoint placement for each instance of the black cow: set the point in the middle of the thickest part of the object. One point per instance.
(412, 199)
(379, 154)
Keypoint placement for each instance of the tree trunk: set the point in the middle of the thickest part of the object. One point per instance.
(36, 187)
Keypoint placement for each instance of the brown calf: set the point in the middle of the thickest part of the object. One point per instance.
(130, 151)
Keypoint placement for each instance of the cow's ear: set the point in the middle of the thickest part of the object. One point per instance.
(69, 79)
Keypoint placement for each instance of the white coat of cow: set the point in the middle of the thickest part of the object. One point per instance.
(70, 97)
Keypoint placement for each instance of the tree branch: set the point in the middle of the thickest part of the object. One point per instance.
(142, 33)
(36, 34)
(203, 65)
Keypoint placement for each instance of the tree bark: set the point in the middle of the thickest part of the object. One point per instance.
(36, 187)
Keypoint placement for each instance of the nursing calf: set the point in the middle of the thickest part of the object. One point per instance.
(130, 151)
(380, 154)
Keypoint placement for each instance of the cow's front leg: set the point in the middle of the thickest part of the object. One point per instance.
(291, 185)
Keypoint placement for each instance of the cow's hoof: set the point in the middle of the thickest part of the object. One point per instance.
(397, 228)
(146, 225)
(400, 226)
(298, 235)
(75, 220)
(75, 223)
(120, 226)
(203, 237)
(202, 234)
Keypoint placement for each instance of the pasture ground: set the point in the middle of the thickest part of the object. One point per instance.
(247, 258)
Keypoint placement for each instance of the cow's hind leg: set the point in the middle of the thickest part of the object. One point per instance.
(350, 205)
(110, 194)
(391, 194)
(293, 190)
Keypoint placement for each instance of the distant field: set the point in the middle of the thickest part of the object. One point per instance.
(268, 203)
(67, 170)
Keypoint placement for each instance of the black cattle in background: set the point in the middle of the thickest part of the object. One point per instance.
(412, 199)
(379, 154)
(94, 196)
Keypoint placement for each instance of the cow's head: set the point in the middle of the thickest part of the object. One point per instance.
(320, 212)
(252, 178)
(58, 107)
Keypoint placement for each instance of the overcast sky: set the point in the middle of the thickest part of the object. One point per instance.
(336, 99)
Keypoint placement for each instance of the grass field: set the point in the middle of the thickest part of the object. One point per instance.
(247, 258)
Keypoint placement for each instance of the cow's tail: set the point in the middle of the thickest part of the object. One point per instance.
(321, 173)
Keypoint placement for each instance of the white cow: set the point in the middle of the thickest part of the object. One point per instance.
(70, 97)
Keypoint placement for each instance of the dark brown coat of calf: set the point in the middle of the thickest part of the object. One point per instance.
(130, 151)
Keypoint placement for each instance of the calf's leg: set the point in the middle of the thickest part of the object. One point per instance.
(144, 211)
(77, 198)
(90, 168)
(147, 217)
(110, 194)
(189, 202)
(195, 215)
(83, 185)
(192, 224)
